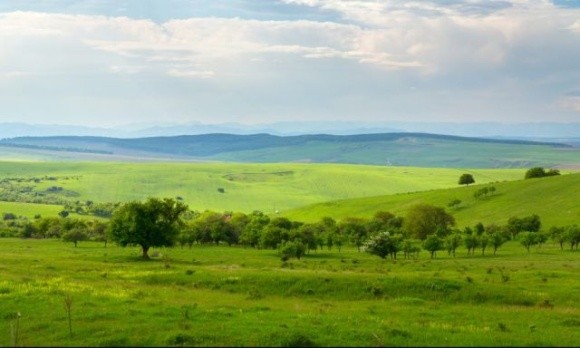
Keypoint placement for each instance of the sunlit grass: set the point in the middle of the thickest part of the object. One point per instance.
(218, 296)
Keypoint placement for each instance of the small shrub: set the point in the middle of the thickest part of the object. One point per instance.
(181, 339)
(297, 340)
(114, 342)
(376, 291)
(502, 327)
(254, 294)
(547, 304)
(399, 333)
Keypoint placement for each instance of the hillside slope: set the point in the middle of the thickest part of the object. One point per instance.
(555, 199)
(397, 149)
(247, 187)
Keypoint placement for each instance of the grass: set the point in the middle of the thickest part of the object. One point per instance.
(414, 151)
(216, 296)
(419, 150)
(554, 199)
(29, 210)
(247, 187)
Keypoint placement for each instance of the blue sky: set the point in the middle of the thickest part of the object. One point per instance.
(108, 63)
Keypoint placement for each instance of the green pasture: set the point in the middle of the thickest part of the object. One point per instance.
(555, 199)
(29, 210)
(231, 296)
(247, 187)
(415, 151)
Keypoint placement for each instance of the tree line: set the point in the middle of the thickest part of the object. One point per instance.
(167, 222)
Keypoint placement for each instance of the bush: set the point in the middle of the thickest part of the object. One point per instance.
(181, 339)
(292, 249)
(539, 172)
(9, 216)
(297, 340)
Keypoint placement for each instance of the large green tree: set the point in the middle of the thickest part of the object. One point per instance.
(424, 219)
(153, 223)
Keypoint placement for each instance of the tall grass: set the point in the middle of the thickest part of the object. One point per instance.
(217, 295)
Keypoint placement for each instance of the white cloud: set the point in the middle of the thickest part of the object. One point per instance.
(191, 73)
(570, 103)
(492, 56)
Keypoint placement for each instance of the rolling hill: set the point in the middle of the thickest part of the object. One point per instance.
(266, 187)
(555, 199)
(397, 149)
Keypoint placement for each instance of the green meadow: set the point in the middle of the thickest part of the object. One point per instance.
(55, 294)
(29, 210)
(231, 296)
(555, 199)
(247, 187)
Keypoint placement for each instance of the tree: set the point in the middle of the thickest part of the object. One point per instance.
(483, 242)
(75, 235)
(452, 241)
(98, 231)
(539, 172)
(424, 219)
(471, 243)
(355, 229)
(527, 239)
(309, 235)
(466, 179)
(573, 236)
(253, 229)
(153, 223)
(531, 223)
(383, 221)
(433, 244)
(496, 239)
(289, 249)
(536, 172)
(454, 204)
(558, 235)
(383, 244)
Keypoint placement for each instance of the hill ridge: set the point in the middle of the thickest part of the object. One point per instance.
(427, 149)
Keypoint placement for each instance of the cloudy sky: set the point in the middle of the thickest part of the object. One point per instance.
(112, 62)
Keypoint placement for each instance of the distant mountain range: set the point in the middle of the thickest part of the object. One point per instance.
(547, 132)
(401, 149)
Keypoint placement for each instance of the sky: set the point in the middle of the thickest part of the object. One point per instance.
(114, 62)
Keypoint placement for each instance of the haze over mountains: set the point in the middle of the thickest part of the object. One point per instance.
(397, 149)
(546, 131)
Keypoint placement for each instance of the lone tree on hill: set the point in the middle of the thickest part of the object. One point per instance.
(153, 223)
(466, 179)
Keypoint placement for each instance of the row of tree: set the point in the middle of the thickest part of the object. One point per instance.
(167, 222)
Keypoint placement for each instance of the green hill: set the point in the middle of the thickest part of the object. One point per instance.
(397, 149)
(555, 199)
(247, 187)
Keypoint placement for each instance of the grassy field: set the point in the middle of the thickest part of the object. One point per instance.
(248, 187)
(554, 199)
(228, 296)
(29, 210)
(413, 151)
